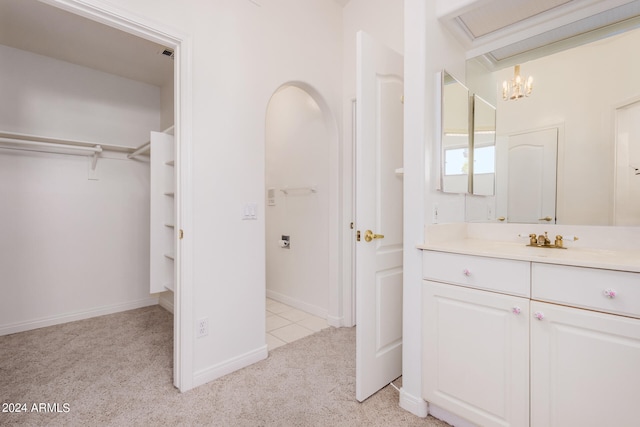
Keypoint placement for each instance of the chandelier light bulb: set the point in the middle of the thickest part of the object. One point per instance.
(517, 87)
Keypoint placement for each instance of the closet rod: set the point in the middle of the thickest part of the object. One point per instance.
(59, 141)
(21, 144)
(140, 150)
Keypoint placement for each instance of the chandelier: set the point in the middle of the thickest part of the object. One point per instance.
(518, 87)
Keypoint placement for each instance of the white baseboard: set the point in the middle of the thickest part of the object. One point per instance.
(165, 301)
(448, 417)
(28, 325)
(336, 322)
(221, 369)
(416, 405)
(300, 305)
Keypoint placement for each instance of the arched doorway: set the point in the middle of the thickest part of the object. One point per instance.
(300, 136)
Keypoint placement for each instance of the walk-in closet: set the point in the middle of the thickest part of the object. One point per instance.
(86, 169)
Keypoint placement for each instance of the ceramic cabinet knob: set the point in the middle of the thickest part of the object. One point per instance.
(610, 293)
(538, 315)
(466, 272)
(516, 310)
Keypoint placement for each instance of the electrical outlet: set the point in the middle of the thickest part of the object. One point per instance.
(202, 328)
(489, 212)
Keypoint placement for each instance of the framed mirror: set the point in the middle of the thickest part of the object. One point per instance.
(456, 156)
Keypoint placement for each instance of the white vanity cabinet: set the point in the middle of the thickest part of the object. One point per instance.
(522, 342)
(585, 362)
(476, 341)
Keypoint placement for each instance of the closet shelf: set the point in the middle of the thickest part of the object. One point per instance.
(170, 256)
(170, 194)
(170, 225)
(170, 163)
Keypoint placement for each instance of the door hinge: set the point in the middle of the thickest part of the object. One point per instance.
(180, 234)
(358, 235)
(351, 226)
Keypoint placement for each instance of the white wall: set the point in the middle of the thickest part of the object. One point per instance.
(72, 247)
(44, 96)
(297, 156)
(241, 53)
(428, 49)
(579, 89)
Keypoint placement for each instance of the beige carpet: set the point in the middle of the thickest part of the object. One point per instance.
(116, 370)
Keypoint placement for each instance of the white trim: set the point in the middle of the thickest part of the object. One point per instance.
(563, 15)
(300, 305)
(348, 318)
(165, 301)
(448, 417)
(221, 369)
(58, 319)
(413, 404)
(183, 293)
(126, 21)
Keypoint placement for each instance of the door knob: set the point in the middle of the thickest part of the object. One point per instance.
(369, 236)
(546, 218)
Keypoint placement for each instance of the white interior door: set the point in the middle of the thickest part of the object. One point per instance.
(379, 146)
(627, 167)
(532, 160)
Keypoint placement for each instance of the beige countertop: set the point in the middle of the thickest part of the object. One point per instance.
(623, 260)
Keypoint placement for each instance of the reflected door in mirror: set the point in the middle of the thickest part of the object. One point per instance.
(531, 176)
(627, 179)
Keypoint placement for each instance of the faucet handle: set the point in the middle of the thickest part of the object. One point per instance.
(559, 240)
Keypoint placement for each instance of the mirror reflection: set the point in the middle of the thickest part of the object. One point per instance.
(570, 152)
(455, 135)
(484, 153)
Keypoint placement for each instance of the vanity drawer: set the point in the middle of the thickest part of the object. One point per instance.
(500, 275)
(608, 291)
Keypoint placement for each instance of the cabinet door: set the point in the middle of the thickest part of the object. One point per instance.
(585, 368)
(476, 354)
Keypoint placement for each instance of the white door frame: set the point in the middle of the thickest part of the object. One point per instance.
(181, 43)
(616, 153)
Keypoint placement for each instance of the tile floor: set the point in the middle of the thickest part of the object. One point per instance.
(286, 324)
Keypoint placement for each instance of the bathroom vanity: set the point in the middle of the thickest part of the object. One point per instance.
(515, 335)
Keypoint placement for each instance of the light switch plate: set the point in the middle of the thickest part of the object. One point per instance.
(250, 211)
